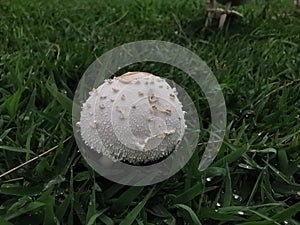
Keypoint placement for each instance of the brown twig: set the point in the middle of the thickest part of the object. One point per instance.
(278, 89)
(31, 160)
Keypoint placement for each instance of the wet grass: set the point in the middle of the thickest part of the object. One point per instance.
(46, 47)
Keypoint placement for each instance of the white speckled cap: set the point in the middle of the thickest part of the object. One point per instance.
(136, 118)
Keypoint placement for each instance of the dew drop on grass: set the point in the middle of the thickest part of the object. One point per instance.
(209, 179)
(235, 196)
(245, 166)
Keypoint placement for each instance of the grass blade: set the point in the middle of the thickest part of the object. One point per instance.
(133, 214)
(27, 208)
(192, 214)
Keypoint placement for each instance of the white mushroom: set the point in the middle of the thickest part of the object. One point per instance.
(131, 118)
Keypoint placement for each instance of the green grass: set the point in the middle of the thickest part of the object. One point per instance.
(45, 47)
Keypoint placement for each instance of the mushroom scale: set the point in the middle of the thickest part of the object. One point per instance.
(135, 118)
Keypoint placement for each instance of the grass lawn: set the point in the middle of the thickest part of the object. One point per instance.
(45, 47)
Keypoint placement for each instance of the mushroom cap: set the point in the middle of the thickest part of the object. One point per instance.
(135, 118)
